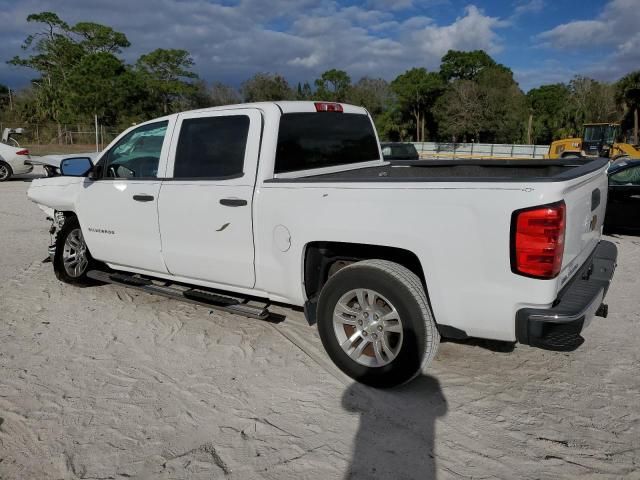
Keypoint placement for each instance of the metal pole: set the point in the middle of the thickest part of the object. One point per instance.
(635, 127)
(97, 140)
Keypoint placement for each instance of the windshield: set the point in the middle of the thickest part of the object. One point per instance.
(600, 133)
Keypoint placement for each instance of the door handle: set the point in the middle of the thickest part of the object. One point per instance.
(233, 202)
(143, 198)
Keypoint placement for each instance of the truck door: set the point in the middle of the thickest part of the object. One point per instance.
(205, 202)
(118, 212)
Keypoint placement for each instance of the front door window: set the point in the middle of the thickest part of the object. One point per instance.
(137, 154)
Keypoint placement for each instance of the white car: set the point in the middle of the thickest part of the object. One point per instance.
(13, 161)
(292, 202)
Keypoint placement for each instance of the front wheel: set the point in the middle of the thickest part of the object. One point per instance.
(375, 323)
(72, 259)
(5, 171)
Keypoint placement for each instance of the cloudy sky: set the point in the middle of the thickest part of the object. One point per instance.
(542, 41)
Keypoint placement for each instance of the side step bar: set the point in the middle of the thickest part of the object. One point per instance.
(205, 298)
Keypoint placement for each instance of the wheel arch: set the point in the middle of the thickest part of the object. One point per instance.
(324, 258)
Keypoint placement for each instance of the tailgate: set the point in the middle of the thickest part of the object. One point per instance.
(586, 201)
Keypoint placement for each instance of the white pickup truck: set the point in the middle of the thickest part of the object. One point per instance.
(292, 202)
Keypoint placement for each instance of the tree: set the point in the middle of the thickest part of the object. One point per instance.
(95, 86)
(628, 97)
(391, 125)
(57, 51)
(222, 94)
(492, 108)
(457, 65)
(590, 101)
(374, 94)
(4, 96)
(100, 38)
(505, 107)
(333, 85)
(266, 87)
(547, 105)
(303, 92)
(167, 72)
(460, 111)
(417, 91)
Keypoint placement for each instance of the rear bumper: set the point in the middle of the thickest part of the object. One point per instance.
(21, 168)
(559, 327)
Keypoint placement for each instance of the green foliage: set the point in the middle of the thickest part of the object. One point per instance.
(166, 72)
(100, 38)
(490, 109)
(4, 96)
(221, 94)
(374, 94)
(303, 92)
(456, 65)
(266, 87)
(627, 93)
(391, 125)
(472, 97)
(505, 106)
(81, 76)
(416, 91)
(590, 101)
(460, 111)
(548, 105)
(333, 85)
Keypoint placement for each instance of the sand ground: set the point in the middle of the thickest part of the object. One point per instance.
(109, 383)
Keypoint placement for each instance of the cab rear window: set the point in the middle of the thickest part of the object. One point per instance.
(326, 139)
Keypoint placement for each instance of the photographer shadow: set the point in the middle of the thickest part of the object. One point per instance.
(395, 438)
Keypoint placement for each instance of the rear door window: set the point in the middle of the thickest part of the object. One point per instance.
(326, 139)
(212, 147)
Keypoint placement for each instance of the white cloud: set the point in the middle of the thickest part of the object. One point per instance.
(614, 33)
(299, 39)
(618, 22)
(391, 4)
(473, 31)
(527, 7)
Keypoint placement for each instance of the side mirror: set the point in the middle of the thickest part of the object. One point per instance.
(76, 167)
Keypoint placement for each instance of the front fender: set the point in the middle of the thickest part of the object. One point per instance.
(57, 193)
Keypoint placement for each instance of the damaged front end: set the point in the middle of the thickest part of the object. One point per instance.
(57, 221)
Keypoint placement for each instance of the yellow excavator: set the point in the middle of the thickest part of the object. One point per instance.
(598, 140)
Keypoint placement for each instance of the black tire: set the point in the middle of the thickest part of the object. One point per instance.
(71, 227)
(404, 292)
(5, 171)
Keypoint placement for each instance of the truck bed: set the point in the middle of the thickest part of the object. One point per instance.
(462, 171)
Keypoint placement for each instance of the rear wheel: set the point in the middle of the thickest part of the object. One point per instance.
(375, 323)
(5, 171)
(72, 259)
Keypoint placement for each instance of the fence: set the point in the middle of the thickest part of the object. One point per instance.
(437, 150)
(51, 138)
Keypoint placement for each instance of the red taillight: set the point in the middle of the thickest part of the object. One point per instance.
(328, 107)
(22, 152)
(537, 240)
